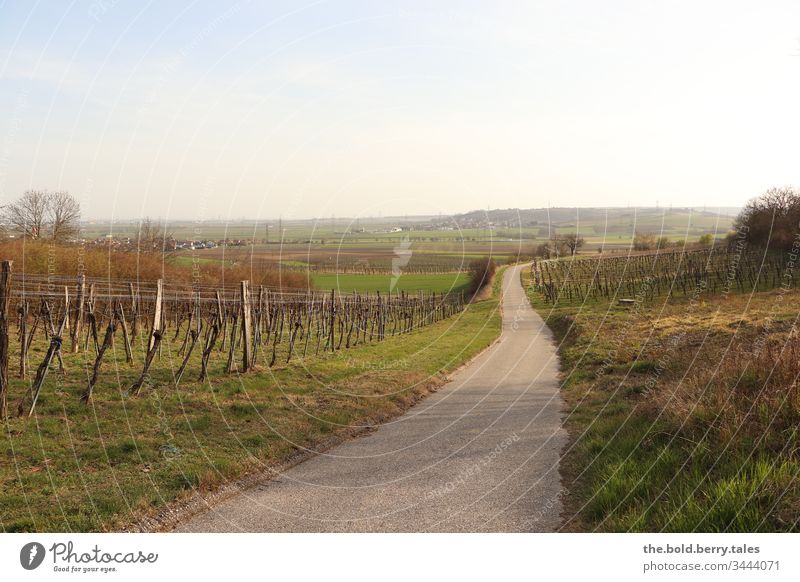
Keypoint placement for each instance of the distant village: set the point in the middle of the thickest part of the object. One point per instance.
(170, 244)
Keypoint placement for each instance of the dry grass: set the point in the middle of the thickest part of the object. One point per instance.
(40, 257)
(684, 415)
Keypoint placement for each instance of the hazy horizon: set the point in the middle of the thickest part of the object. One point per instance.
(194, 111)
(721, 210)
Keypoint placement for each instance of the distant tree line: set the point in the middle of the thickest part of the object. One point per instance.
(560, 245)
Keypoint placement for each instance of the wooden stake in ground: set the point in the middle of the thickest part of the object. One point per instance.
(193, 340)
(212, 338)
(23, 338)
(229, 367)
(41, 373)
(5, 295)
(50, 328)
(134, 312)
(126, 338)
(246, 326)
(156, 315)
(87, 395)
(156, 341)
(77, 320)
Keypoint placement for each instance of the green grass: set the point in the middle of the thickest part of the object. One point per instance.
(439, 283)
(99, 467)
(661, 441)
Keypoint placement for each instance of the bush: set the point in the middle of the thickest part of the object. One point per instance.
(542, 250)
(481, 273)
(771, 219)
(663, 243)
(643, 241)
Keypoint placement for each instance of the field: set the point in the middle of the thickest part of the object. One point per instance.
(441, 283)
(122, 457)
(422, 244)
(683, 410)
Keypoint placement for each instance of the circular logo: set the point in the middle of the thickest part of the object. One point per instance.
(31, 555)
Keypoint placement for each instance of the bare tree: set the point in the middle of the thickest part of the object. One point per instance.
(64, 215)
(152, 236)
(573, 242)
(28, 214)
(37, 214)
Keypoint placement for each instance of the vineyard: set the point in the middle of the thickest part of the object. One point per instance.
(681, 274)
(206, 330)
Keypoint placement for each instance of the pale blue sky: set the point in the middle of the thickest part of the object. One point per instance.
(202, 110)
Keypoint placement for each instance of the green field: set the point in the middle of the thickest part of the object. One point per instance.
(106, 465)
(442, 283)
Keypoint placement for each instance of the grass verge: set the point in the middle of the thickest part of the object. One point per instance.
(683, 415)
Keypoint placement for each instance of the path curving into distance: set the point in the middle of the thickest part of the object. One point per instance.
(481, 454)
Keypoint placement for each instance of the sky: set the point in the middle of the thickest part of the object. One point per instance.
(222, 110)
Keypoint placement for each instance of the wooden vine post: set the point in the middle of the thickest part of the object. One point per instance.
(246, 325)
(87, 395)
(32, 397)
(120, 314)
(5, 295)
(75, 332)
(156, 314)
(134, 312)
(154, 342)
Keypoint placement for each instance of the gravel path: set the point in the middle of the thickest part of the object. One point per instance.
(481, 454)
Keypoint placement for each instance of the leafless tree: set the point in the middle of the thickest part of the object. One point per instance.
(64, 215)
(27, 215)
(152, 236)
(38, 214)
